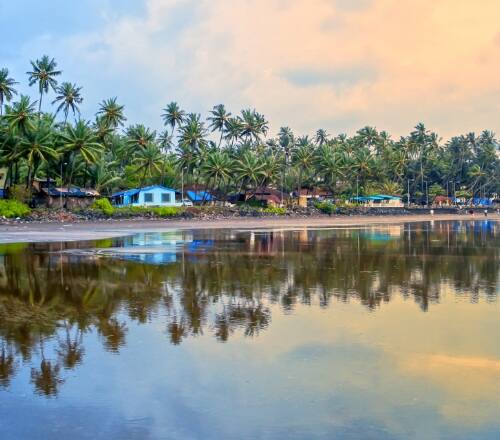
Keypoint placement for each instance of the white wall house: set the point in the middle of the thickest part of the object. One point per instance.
(155, 195)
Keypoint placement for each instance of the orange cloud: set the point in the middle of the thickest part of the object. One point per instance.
(336, 64)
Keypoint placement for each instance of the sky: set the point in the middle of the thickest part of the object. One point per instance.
(307, 64)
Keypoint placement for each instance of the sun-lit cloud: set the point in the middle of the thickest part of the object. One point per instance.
(338, 64)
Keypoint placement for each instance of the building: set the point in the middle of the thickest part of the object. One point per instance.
(379, 201)
(46, 193)
(155, 195)
(199, 195)
(442, 201)
(268, 196)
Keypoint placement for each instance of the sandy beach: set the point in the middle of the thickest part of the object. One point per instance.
(50, 232)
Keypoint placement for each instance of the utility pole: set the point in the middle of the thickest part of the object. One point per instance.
(182, 186)
(408, 193)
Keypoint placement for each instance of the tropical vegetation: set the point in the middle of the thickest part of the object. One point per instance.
(226, 152)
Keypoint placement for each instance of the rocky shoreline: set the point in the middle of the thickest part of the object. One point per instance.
(210, 213)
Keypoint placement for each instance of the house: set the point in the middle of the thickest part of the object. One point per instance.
(442, 201)
(268, 196)
(46, 193)
(155, 195)
(306, 195)
(379, 201)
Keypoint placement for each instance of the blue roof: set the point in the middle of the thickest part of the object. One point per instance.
(200, 196)
(376, 197)
(131, 192)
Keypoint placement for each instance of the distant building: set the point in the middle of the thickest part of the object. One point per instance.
(379, 201)
(155, 195)
(199, 194)
(46, 193)
(268, 196)
(442, 201)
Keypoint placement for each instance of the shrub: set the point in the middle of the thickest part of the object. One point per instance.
(166, 211)
(275, 210)
(158, 211)
(325, 207)
(13, 208)
(105, 206)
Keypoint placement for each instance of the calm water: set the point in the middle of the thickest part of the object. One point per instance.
(371, 333)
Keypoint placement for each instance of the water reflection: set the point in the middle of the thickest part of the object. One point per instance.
(52, 297)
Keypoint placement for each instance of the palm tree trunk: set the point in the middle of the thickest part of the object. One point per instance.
(40, 105)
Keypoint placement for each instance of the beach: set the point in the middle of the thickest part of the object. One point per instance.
(55, 232)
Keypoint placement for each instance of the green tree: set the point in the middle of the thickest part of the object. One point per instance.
(44, 74)
(111, 113)
(7, 90)
(68, 97)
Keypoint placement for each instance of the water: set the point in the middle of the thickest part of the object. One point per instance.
(369, 333)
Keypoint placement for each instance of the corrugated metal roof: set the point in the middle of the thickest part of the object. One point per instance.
(199, 196)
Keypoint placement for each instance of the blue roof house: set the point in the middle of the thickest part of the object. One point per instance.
(155, 195)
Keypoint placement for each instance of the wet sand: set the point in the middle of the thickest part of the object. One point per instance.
(50, 232)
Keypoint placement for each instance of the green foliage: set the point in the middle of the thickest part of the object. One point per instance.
(13, 208)
(436, 190)
(20, 193)
(275, 210)
(157, 211)
(325, 207)
(104, 206)
(106, 155)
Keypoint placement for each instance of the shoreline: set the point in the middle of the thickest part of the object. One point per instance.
(83, 231)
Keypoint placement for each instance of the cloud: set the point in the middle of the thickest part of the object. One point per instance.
(303, 63)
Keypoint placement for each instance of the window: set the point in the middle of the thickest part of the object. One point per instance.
(165, 197)
(148, 197)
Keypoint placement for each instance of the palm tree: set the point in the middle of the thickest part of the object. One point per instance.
(331, 165)
(303, 159)
(219, 119)
(37, 148)
(80, 140)
(7, 90)
(173, 116)
(249, 169)
(20, 117)
(102, 175)
(234, 129)
(43, 73)
(111, 113)
(139, 137)
(148, 160)
(321, 137)
(192, 133)
(68, 97)
(217, 168)
(165, 141)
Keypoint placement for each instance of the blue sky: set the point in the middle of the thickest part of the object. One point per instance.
(334, 64)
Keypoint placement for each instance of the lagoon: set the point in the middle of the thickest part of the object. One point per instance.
(375, 332)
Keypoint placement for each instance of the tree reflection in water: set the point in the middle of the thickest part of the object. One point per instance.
(223, 282)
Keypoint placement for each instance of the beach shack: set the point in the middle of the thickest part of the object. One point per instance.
(155, 195)
(45, 193)
(379, 201)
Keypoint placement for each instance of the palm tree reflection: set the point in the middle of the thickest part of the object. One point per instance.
(227, 288)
